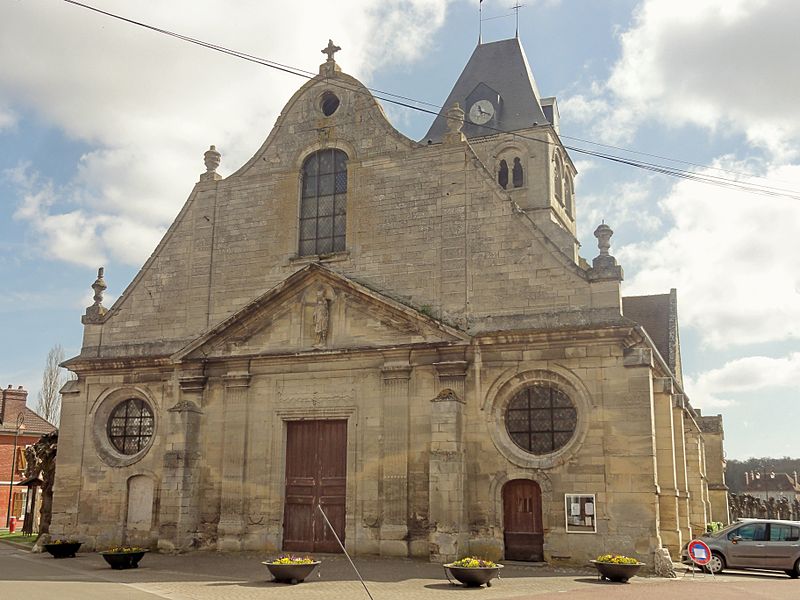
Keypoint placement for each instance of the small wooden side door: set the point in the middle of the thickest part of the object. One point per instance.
(522, 521)
(316, 474)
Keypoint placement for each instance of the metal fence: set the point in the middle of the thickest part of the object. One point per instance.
(747, 506)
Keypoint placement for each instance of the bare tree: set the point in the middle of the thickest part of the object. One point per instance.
(53, 377)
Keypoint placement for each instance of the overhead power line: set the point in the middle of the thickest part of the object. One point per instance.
(406, 102)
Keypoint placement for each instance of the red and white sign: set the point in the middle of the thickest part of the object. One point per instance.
(699, 552)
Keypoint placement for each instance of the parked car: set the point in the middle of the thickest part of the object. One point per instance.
(767, 544)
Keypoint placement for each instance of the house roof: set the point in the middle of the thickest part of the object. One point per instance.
(34, 424)
(783, 482)
(503, 67)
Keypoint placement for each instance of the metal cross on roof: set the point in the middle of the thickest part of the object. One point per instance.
(330, 50)
(516, 8)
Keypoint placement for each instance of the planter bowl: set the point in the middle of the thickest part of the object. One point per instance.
(291, 573)
(616, 572)
(473, 576)
(123, 560)
(67, 550)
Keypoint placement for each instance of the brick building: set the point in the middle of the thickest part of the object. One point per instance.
(12, 405)
(401, 333)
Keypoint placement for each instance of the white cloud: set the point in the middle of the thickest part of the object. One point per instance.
(625, 204)
(714, 388)
(7, 118)
(733, 258)
(728, 65)
(150, 105)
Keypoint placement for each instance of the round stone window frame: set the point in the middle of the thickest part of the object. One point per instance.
(570, 386)
(101, 413)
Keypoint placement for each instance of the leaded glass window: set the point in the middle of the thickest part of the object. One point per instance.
(130, 426)
(541, 419)
(323, 203)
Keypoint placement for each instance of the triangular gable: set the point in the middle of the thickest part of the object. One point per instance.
(316, 309)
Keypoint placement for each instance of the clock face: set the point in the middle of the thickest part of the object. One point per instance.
(481, 112)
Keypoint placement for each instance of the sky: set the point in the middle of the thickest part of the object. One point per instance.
(103, 126)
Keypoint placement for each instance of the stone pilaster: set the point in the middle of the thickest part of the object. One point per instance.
(713, 435)
(394, 527)
(179, 515)
(680, 467)
(447, 518)
(665, 461)
(694, 470)
(231, 513)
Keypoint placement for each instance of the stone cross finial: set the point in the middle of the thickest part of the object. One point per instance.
(330, 50)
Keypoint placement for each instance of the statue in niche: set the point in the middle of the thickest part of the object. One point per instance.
(321, 319)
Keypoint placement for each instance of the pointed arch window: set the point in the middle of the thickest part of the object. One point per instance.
(323, 203)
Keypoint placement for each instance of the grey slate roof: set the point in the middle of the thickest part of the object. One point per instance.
(658, 314)
(503, 67)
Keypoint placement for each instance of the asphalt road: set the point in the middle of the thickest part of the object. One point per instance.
(213, 576)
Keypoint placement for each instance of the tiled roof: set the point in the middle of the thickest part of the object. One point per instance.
(33, 424)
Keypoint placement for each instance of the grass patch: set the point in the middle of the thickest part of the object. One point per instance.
(18, 538)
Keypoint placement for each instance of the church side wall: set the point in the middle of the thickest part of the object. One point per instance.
(612, 459)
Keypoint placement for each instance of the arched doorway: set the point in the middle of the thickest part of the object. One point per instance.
(522, 521)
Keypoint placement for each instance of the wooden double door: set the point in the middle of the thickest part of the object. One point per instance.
(522, 521)
(316, 475)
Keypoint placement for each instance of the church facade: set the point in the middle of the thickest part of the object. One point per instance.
(389, 339)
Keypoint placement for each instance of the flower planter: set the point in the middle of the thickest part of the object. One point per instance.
(63, 550)
(472, 576)
(616, 572)
(124, 560)
(291, 573)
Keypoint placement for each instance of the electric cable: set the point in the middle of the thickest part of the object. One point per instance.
(404, 101)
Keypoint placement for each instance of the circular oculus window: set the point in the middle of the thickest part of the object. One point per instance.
(130, 426)
(541, 419)
(328, 103)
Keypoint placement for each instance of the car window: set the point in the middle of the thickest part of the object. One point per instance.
(783, 533)
(753, 532)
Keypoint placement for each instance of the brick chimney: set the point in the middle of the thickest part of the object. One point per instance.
(13, 403)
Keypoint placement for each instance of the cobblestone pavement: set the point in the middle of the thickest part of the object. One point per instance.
(212, 576)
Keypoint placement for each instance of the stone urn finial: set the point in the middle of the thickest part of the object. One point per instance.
(604, 266)
(95, 313)
(455, 122)
(212, 159)
(603, 234)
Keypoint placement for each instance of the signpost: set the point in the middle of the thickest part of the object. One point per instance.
(699, 554)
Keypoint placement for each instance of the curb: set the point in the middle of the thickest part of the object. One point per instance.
(17, 545)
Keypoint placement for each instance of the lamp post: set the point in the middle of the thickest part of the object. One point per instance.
(767, 474)
(19, 429)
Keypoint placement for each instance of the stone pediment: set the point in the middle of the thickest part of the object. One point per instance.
(317, 310)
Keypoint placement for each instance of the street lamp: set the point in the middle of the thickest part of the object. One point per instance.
(20, 428)
(756, 476)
